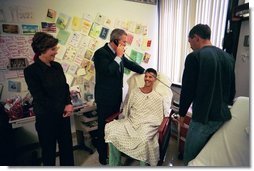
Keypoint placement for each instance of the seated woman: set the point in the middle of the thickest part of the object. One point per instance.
(136, 133)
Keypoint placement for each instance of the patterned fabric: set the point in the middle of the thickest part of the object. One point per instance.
(162, 87)
(137, 133)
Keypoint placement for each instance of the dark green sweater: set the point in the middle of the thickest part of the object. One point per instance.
(209, 84)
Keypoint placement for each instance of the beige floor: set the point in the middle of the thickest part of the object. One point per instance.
(84, 159)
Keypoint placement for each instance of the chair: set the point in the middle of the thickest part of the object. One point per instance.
(162, 87)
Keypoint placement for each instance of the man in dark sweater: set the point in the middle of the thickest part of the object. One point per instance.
(209, 84)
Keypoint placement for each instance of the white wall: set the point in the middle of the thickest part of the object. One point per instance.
(144, 14)
(242, 65)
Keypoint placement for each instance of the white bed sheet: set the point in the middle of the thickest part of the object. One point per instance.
(230, 145)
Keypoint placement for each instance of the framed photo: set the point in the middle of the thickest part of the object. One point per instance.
(10, 28)
(29, 28)
(62, 21)
(48, 27)
(51, 15)
(146, 57)
(14, 86)
(18, 63)
(104, 33)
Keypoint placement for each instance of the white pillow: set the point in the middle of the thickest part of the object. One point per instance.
(162, 86)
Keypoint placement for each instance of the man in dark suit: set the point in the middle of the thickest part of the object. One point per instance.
(109, 62)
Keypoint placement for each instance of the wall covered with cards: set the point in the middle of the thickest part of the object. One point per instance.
(82, 26)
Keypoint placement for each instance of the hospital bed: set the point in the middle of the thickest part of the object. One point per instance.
(230, 145)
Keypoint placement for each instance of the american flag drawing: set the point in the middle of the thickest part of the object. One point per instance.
(48, 27)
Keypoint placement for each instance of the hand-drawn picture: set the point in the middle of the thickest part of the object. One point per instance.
(86, 26)
(14, 86)
(62, 21)
(51, 15)
(48, 27)
(104, 33)
(18, 63)
(146, 57)
(29, 28)
(95, 30)
(63, 36)
(136, 56)
(10, 28)
(88, 54)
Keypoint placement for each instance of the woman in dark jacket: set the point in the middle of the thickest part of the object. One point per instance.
(51, 99)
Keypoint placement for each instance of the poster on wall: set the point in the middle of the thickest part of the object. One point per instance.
(51, 15)
(75, 39)
(136, 56)
(104, 33)
(63, 36)
(62, 21)
(129, 39)
(95, 30)
(100, 19)
(14, 86)
(29, 28)
(146, 58)
(86, 26)
(76, 23)
(15, 47)
(48, 27)
(10, 28)
(25, 14)
(80, 35)
(17, 63)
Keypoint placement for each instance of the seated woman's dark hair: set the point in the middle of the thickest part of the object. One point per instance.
(152, 71)
(43, 41)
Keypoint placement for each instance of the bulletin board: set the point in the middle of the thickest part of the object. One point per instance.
(82, 26)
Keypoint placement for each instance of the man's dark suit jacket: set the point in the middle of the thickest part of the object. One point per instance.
(109, 75)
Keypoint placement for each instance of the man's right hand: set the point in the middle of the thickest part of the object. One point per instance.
(181, 121)
(120, 50)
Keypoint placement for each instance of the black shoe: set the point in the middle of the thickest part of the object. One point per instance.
(103, 162)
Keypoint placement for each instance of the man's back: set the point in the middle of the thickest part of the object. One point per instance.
(213, 72)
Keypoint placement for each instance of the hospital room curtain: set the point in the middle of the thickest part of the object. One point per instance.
(176, 18)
